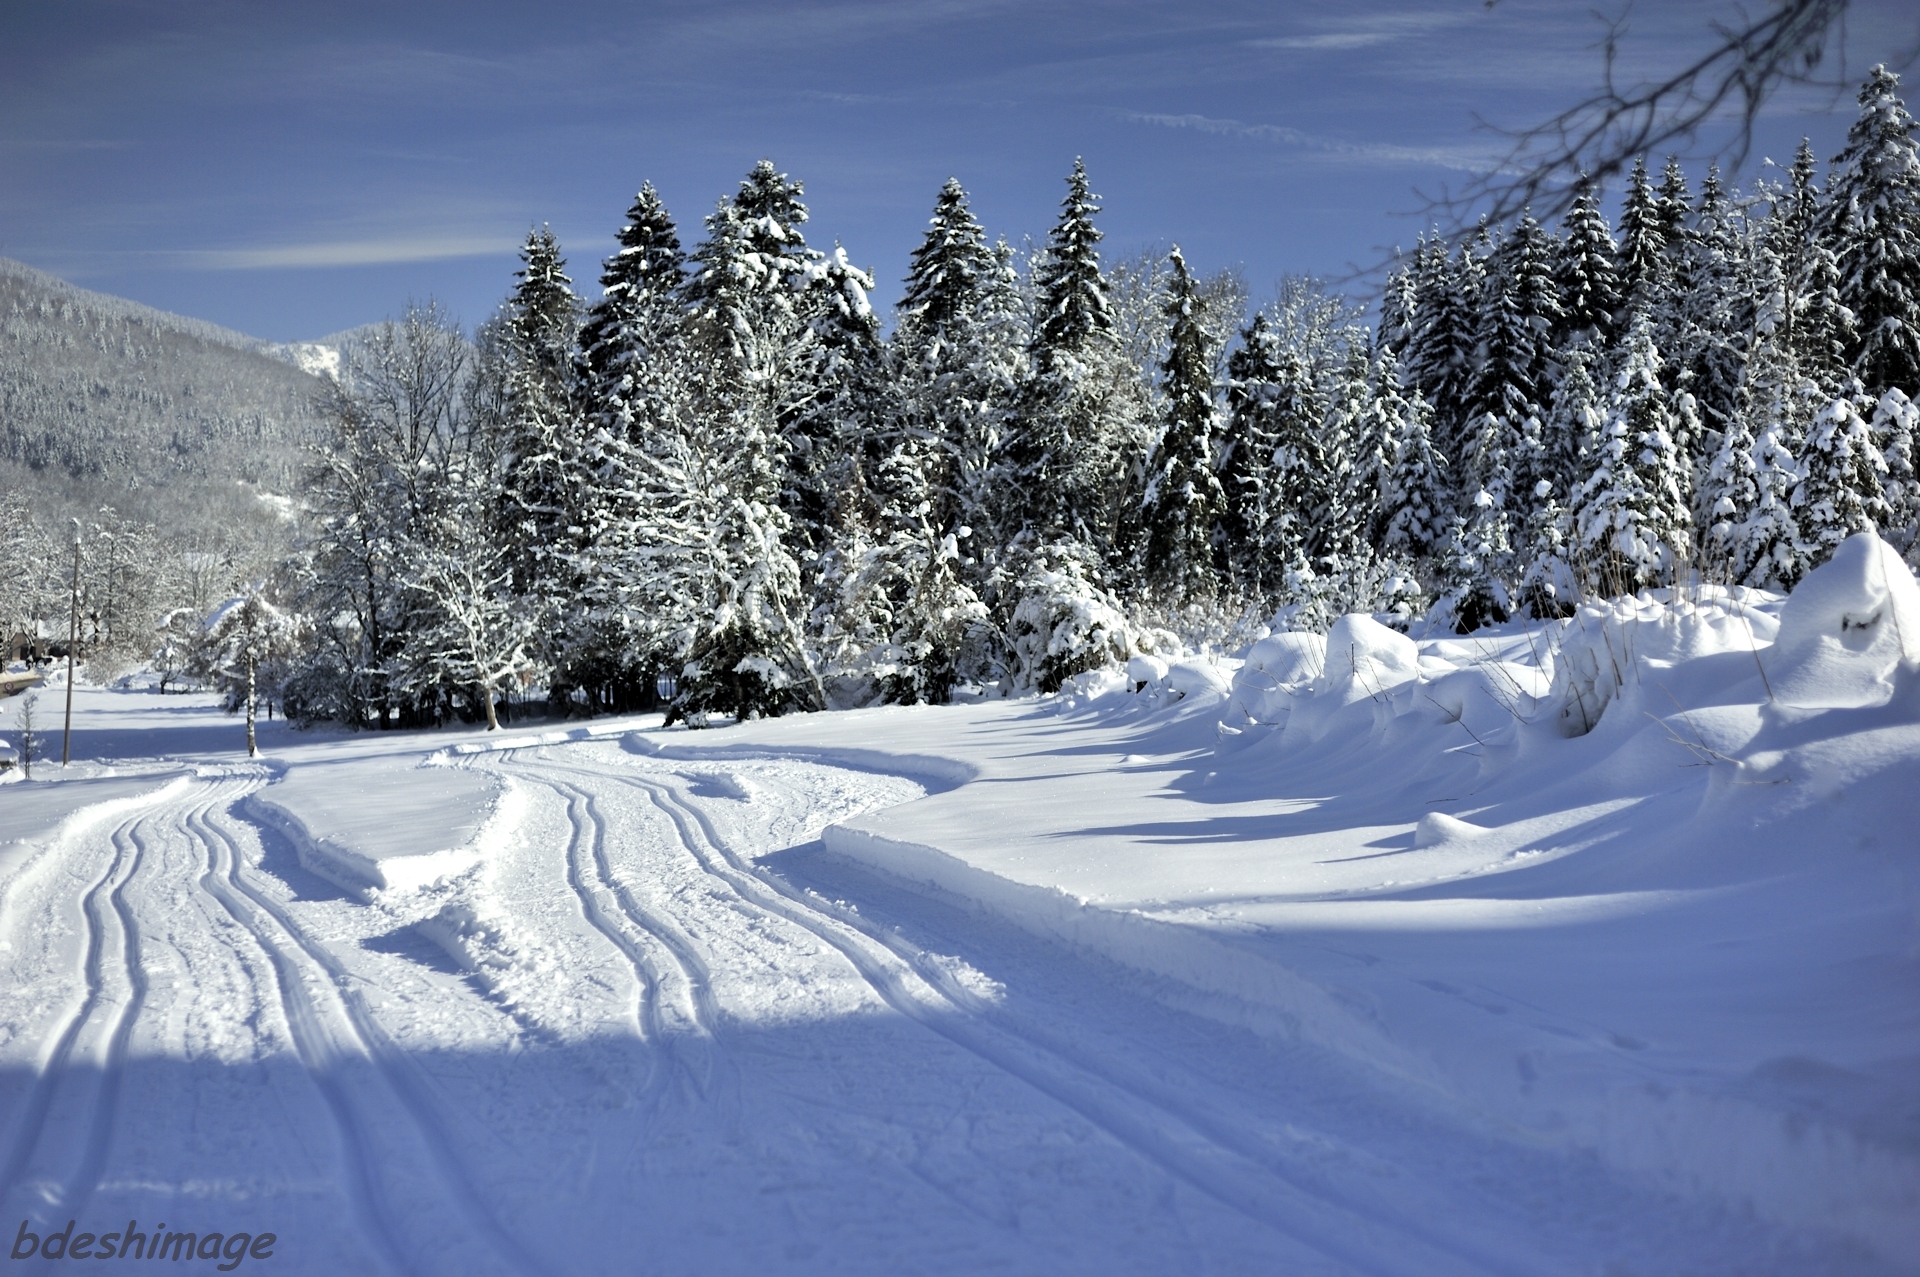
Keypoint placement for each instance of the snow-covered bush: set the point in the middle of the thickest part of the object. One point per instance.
(1064, 623)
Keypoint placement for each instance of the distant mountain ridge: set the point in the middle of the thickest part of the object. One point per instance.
(104, 397)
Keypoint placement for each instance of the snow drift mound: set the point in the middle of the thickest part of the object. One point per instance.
(1847, 628)
(1637, 883)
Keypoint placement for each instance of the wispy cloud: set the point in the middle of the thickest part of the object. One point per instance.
(365, 252)
(1461, 159)
(1363, 32)
(61, 144)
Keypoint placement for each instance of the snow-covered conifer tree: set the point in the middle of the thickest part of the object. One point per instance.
(1070, 442)
(1632, 517)
(1644, 266)
(1440, 359)
(1517, 309)
(544, 437)
(720, 529)
(1873, 211)
(1586, 274)
(1184, 500)
(1575, 423)
(1413, 512)
(1476, 558)
(1840, 489)
(1895, 421)
(627, 331)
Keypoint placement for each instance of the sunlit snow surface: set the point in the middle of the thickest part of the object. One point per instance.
(1364, 955)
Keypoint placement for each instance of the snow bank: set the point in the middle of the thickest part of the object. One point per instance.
(1639, 883)
(1848, 628)
(366, 827)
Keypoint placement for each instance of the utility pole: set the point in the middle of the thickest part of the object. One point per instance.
(73, 639)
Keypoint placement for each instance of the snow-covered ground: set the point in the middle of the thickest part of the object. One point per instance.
(1574, 949)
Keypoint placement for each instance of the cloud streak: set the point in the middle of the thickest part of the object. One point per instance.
(1459, 159)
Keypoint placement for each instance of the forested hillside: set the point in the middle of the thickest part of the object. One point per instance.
(174, 442)
(93, 386)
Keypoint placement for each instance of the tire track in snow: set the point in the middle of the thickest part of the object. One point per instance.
(1162, 1134)
(104, 915)
(586, 859)
(319, 1053)
(401, 1075)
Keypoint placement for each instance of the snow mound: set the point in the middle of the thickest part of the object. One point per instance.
(1847, 628)
(371, 829)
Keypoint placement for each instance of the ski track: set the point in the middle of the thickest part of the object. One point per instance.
(318, 1052)
(632, 929)
(402, 1076)
(412, 1195)
(1162, 1133)
(105, 917)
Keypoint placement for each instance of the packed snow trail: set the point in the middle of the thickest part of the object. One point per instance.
(663, 1031)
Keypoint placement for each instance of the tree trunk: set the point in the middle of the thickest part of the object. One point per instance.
(253, 749)
(486, 698)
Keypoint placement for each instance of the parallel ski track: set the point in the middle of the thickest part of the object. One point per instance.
(318, 1053)
(1231, 1170)
(401, 1074)
(104, 915)
(591, 875)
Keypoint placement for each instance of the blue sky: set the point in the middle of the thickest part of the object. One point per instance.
(294, 170)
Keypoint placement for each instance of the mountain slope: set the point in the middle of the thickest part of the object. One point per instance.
(94, 387)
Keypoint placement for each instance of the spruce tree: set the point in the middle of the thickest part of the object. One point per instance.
(723, 510)
(1067, 452)
(1874, 213)
(1517, 309)
(1575, 423)
(1414, 506)
(1440, 358)
(1252, 502)
(1840, 490)
(635, 318)
(545, 448)
(1632, 516)
(950, 268)
(1714, 305)
(1585, 273)
(1644, 266)
(1815, 328)
(944, 396)
(1184, 500)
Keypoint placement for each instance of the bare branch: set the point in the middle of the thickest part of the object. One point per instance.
(1599, 136)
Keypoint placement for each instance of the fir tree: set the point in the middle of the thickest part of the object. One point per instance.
(1073, 293)
(950, 269)
(1714, 305)
(1184, 498)
(1517, 309)
(1585, 273)
(1067, 450)
(1632, 514)
(545, 445)
(1840, 490)
(1440, 358)
(1413, 500)
(944, 393)
(634, 318)
(1895, 420)
(1475, 558)
(1874, 211)
(1570, 440)
(1644, 267)
(1814, 326)
(1246, 457)
(722, 518)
